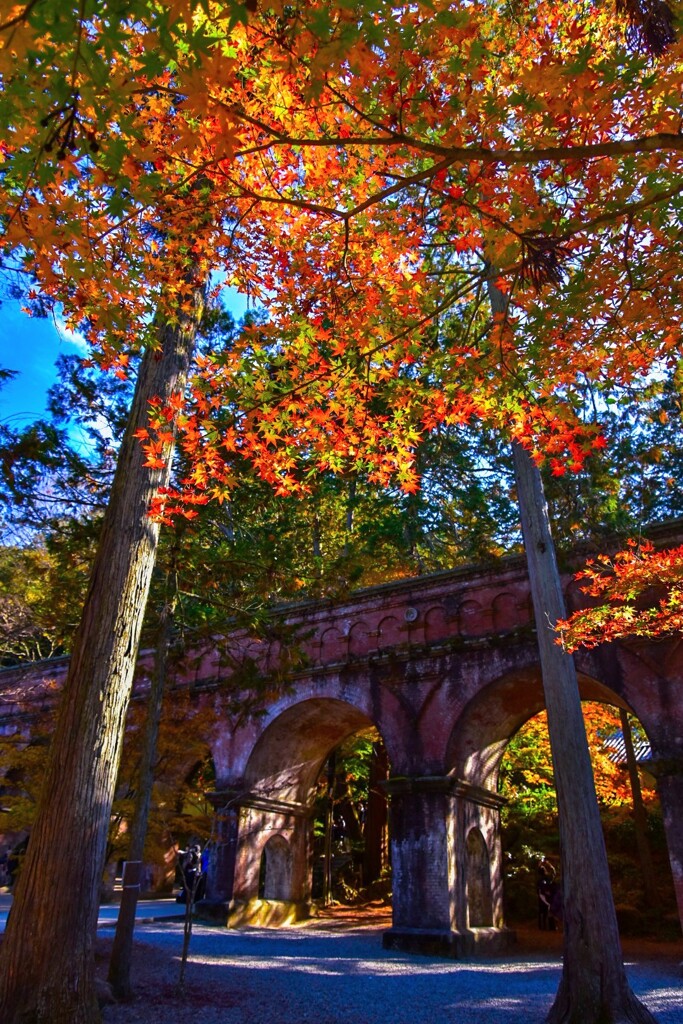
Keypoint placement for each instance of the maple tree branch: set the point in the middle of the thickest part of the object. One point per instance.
(559, 154)
(346, 253)
(660, 141)
(625, 256)
(399, 137)
(278, 138)
(77, 48)
(305, 204)
(476, 304)
(337, 143)
(17, 20)
(652, 143)
(628, 210)
(647, 144)
(368, 352)
(455, 154)
(398, 186)
(18, 208)
(238, 222)
(577, 227)
(301, 204)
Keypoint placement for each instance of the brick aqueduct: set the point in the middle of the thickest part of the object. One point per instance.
(446, 668)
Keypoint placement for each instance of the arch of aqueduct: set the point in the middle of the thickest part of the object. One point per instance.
(445, 667)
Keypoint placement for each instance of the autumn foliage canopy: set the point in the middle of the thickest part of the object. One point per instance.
(360, 171)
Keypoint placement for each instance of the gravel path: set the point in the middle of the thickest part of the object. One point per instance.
(321, 975)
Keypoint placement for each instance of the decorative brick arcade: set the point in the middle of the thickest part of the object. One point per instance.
(445, 667)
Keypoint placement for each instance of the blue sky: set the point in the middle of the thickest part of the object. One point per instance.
(31, 346)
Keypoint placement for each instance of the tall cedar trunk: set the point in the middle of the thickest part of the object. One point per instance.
(122, 947)
(593, 988)
(46, 959)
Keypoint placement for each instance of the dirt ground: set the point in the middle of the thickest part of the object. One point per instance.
(529, 938)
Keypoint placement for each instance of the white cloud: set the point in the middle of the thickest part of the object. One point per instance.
(68, 336)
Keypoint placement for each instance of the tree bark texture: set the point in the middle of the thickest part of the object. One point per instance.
(122, 947)
(46, 959)
(593, 988)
